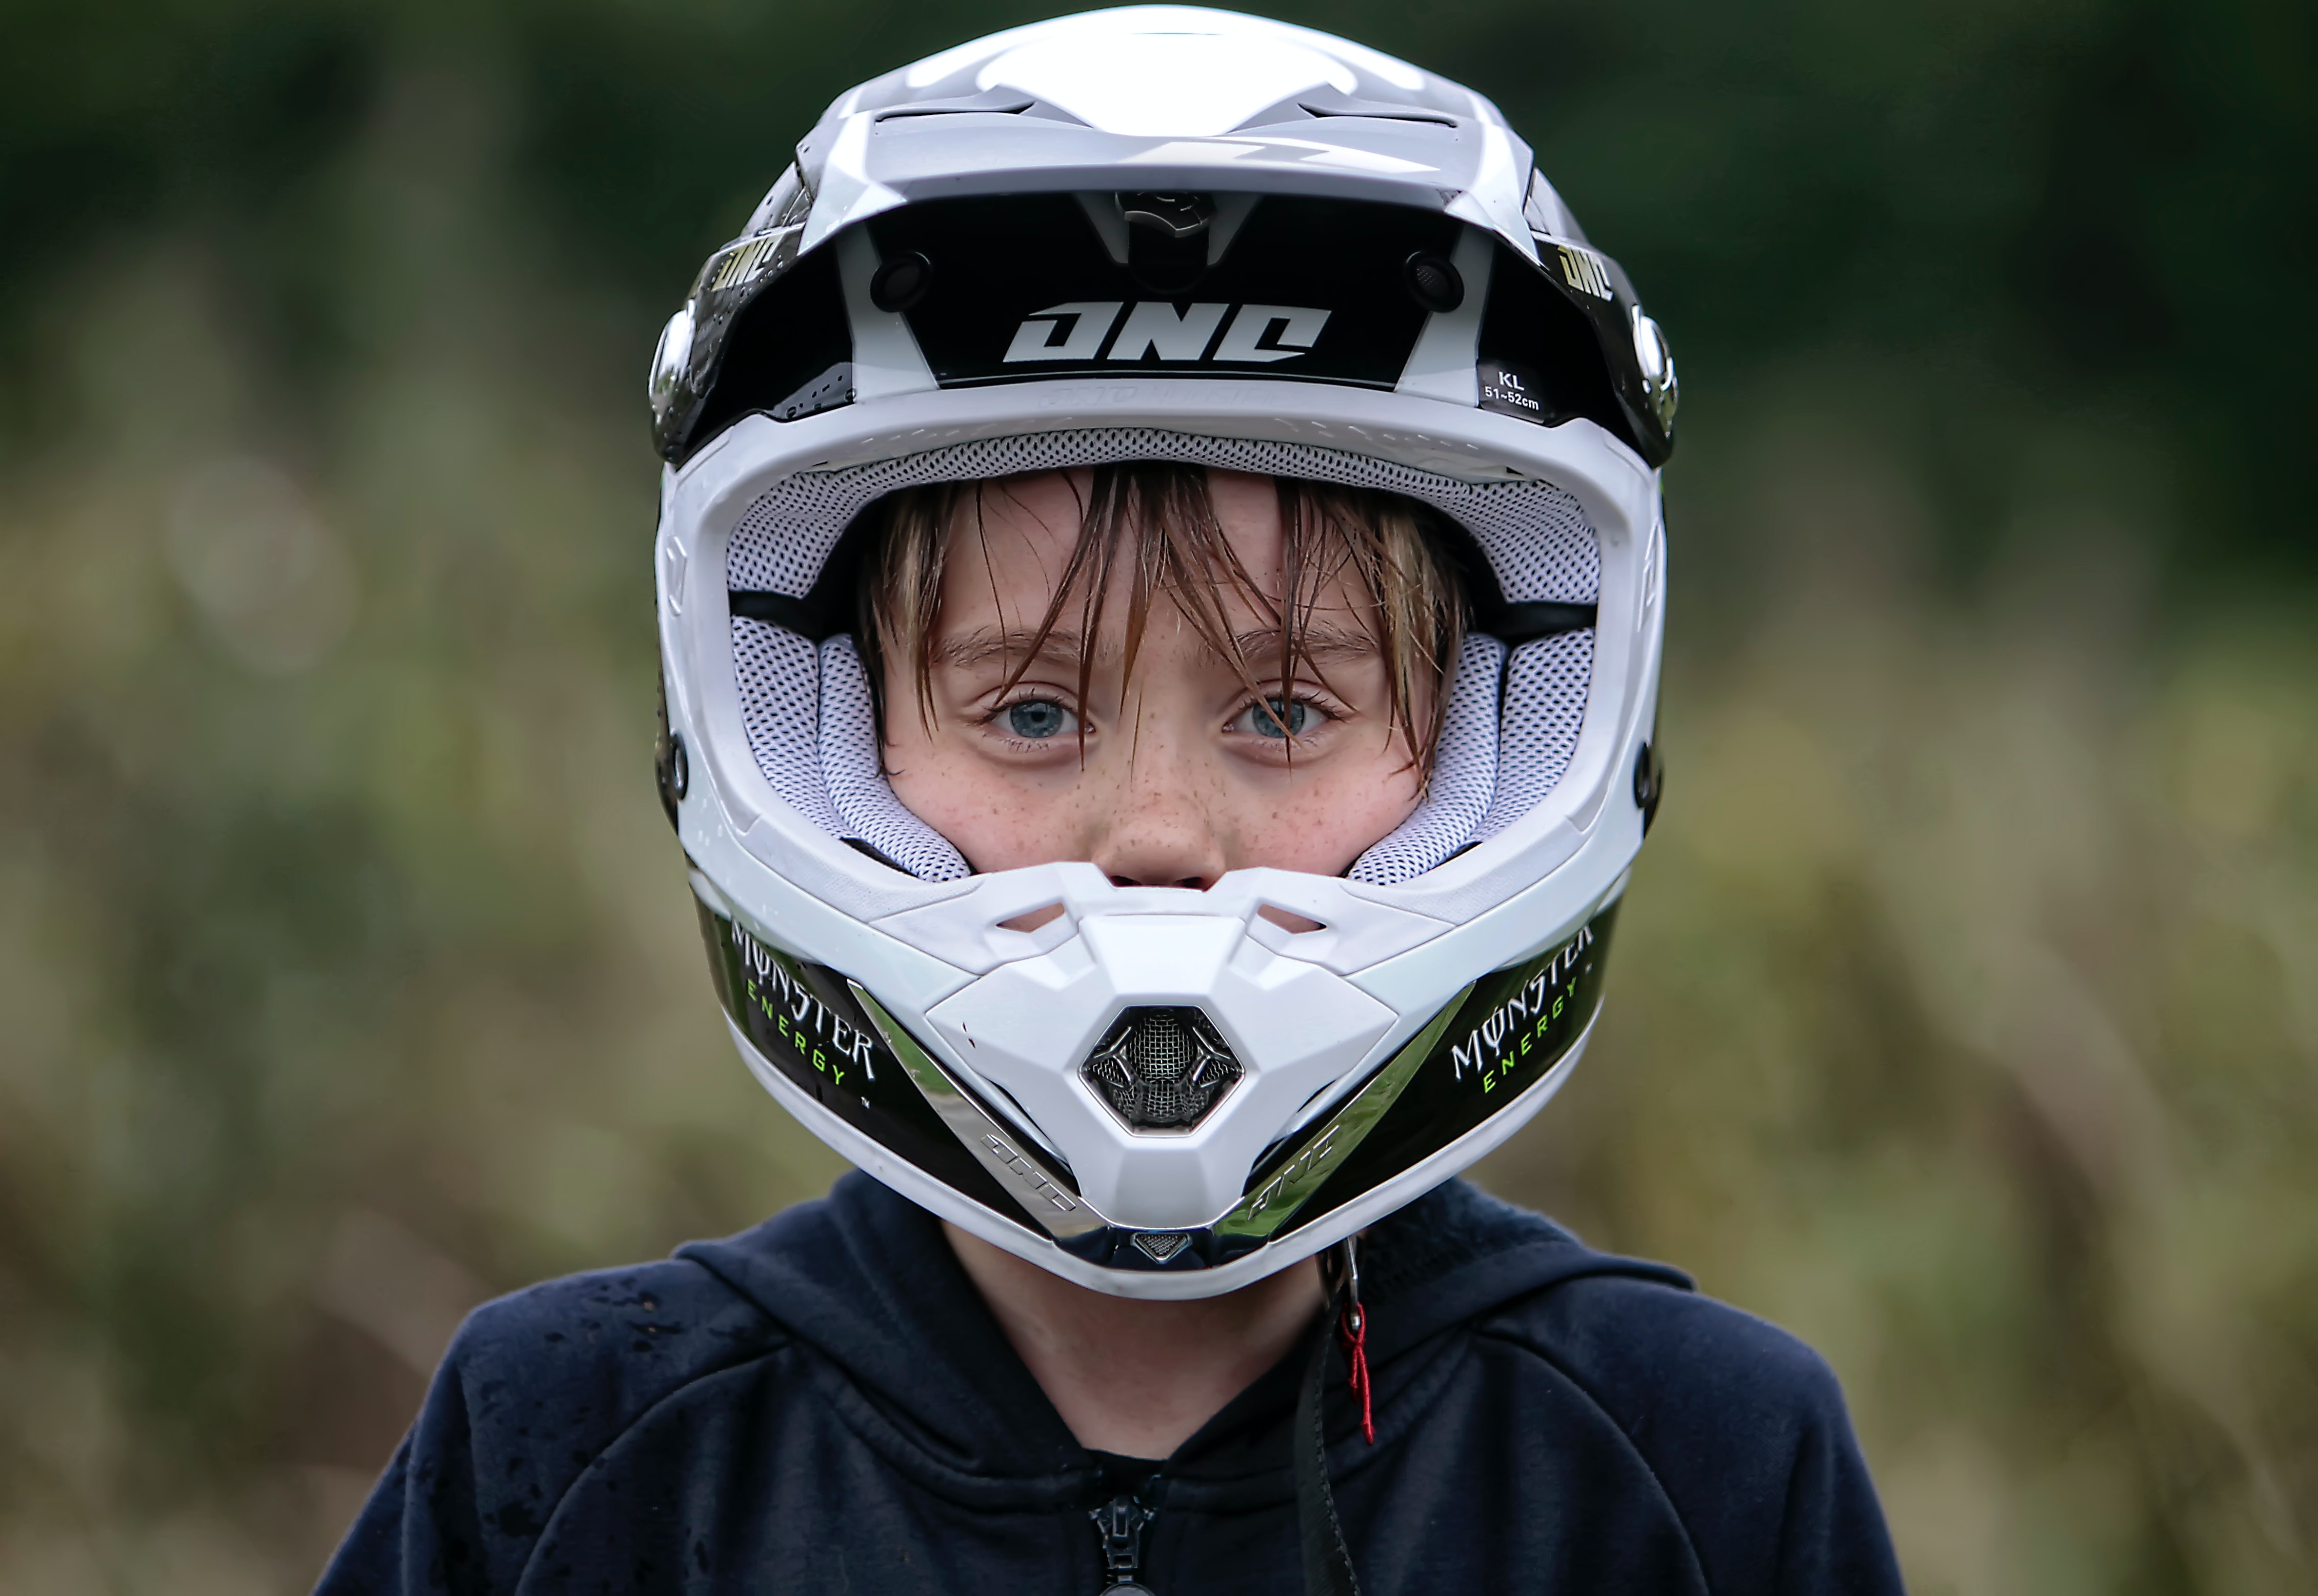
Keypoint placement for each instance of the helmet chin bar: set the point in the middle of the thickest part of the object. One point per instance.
(837, 1059)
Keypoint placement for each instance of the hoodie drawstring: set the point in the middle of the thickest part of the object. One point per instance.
(1328, 1560)
(1352, 1330)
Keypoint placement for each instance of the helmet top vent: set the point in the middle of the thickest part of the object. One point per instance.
(1167, 240)
(1161, 1069)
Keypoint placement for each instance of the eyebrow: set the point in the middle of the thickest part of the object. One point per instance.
(1314, 640)
(1256, 645)
(986, 643)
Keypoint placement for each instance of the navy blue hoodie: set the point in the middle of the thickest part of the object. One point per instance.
(824, 1404)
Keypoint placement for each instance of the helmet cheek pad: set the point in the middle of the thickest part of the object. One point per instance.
(1152, 1091)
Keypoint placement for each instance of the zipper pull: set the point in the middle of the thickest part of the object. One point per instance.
(1120, 1522)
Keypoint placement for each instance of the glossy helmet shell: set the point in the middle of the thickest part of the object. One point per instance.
(1160, 233)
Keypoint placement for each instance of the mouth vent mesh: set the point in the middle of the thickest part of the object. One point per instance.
(1161, 1069)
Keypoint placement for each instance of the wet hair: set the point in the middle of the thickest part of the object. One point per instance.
(1156, 521)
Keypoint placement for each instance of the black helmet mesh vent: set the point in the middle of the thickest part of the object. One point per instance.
(1161, 1069)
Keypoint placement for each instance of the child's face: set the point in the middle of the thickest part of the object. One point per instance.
(1183, 776)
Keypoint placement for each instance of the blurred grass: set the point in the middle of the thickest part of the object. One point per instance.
(1966, 1025)
(1965, 1019)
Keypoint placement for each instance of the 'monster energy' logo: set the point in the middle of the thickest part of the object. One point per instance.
(1080, 330)
(796, 1016)
(1524, 1017)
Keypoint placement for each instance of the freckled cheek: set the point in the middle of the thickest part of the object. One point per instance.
(1001, 820)
(1325, 827)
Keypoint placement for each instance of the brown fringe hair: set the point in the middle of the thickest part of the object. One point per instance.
(1157, 520)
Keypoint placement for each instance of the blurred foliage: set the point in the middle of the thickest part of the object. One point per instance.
(1966, 1015)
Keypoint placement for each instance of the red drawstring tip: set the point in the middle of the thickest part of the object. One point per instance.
(1353, 1330)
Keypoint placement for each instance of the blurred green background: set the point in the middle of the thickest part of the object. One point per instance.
(1965, 1019)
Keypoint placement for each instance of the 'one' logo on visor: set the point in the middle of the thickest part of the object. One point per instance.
(1079, 330)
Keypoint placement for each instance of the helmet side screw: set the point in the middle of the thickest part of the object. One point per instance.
(674, 770)
(901, 282)
(671, 769)
(1434, 282)
(1649, 782)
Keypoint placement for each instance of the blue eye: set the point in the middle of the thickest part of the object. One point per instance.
(1037, 719)
(1268, 718)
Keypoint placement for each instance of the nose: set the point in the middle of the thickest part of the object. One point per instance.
(1161, 830)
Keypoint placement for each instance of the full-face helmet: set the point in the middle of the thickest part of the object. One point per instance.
(1175, 235)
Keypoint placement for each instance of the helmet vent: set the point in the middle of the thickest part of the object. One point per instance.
(1161, 1069)
(1167, 240)
(1160, 1245)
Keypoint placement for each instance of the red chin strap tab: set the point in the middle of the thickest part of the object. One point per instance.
(1352, 1330)
(1328, 1560)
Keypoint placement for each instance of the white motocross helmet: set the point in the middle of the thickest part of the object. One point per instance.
(1161, 234)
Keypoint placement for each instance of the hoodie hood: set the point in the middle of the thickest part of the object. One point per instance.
(868, 1281)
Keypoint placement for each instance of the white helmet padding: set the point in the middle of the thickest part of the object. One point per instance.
(812, 728)
(1536, 534)
(1464, 770)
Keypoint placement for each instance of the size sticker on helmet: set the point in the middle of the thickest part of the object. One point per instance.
(1513, 390)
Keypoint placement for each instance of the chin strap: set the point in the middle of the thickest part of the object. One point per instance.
(1327, 1561)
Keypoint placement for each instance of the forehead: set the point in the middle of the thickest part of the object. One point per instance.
(1011, 541)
